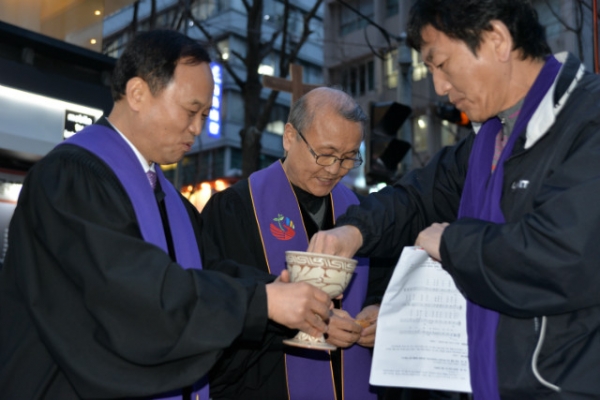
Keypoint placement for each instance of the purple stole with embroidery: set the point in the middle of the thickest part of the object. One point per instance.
(110, 147)
(481, 199)
(282, 228)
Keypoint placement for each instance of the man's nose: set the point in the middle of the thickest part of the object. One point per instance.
(334, 168)
(196, 125)
(441, 84)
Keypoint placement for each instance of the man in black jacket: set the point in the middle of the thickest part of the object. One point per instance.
(511, 211)
(102, 293)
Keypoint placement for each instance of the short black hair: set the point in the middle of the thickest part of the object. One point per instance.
(153, 56)
(466, 20)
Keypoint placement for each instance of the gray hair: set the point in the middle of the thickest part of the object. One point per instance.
(303, 111)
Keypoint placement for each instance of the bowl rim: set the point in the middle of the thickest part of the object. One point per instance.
(312, 254)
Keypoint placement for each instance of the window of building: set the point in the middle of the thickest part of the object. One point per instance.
(168, 17)
(266, 160)
(114, 44)
(449, 134)
(350, 21)
(391, 69)
(267, 66)
(277, 119)
(352, 84)
(357, 80)
(276, 127)
(362, 80)
(199, 167)
(223, 46)
(203, 9)
(420, 128)
(115, 47)
(552, 25)
(371, 75)
(419, 69)
(295, 23)
(235, 102)
(311, 73)
(391, 7)
(265, 69)
(236, 159)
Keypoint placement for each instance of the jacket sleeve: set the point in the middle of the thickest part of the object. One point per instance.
(392, 218)
(231, 234)
(232, 244)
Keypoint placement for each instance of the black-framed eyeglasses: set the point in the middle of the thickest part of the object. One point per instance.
(328, 160)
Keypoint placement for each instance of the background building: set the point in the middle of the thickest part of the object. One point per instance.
(364, 52)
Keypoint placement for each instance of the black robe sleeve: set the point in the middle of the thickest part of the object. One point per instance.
(89, 309)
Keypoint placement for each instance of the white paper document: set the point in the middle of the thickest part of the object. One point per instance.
(421, 339)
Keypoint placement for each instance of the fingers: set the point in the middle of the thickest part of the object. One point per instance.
(285, 276)
(321, 305)
(369, 313)
(323, 242)
(315, 327)
(342, 314)
(298, 306)
(343, 330)
(343, 241)
(430, 238)
(368, 319)
(367, 336)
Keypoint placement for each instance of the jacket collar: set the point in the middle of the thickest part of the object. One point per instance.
(570, 74)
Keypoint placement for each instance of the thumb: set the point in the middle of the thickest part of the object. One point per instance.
(285, 276)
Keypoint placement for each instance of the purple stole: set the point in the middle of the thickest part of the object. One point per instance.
(110, 147)
(282, 228)
(481, 199)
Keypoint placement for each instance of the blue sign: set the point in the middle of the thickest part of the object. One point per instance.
(214, 117)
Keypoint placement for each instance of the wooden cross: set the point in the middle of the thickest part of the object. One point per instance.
(293, 86)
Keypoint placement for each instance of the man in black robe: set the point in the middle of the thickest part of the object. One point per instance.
(322, 140)
(94, 298)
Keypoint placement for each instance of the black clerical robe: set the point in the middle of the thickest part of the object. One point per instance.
(248, 371)
(88, 309)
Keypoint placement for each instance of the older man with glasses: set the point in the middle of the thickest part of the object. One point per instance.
(279, 208)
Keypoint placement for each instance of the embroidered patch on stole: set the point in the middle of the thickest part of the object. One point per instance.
(284, 229)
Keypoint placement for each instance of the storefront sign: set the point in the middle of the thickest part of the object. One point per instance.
(76, 121)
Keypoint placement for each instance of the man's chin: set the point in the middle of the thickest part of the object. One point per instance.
(322, 190)
(170, 160)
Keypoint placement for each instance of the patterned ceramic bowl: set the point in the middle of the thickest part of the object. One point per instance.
(329, 273)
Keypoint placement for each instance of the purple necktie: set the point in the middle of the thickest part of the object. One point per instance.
(151, 178)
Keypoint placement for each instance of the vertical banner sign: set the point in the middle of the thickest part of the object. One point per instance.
(214, 117)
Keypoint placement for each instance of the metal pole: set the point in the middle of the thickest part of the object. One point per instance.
(404, 94)
(595, 39)
(186, 20)
(178, 178)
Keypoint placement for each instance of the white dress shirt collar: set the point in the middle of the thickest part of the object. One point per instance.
(145, 164)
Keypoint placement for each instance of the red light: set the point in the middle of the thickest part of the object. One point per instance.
(464, 120)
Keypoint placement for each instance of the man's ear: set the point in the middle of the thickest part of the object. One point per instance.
(501, 39)
(136, 92)
(289, 135)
